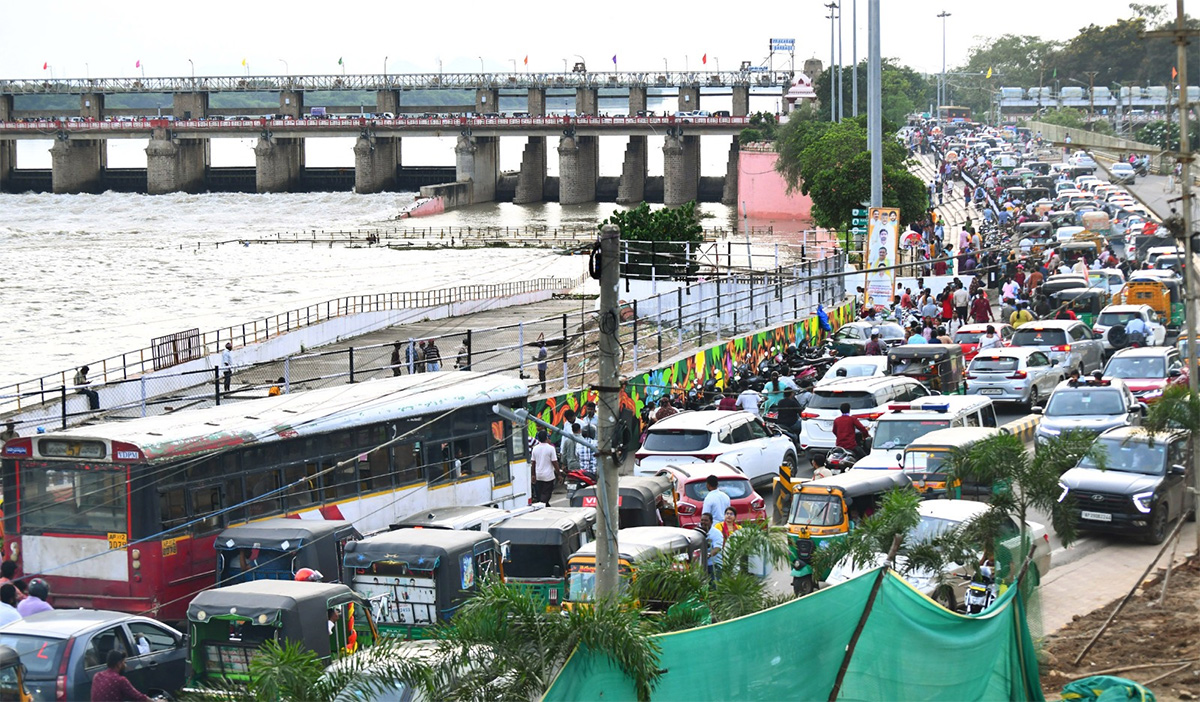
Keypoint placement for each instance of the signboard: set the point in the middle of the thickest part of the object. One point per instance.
(783, 45)
(882, 230)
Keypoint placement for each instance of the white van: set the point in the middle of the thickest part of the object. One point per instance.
(904, 423)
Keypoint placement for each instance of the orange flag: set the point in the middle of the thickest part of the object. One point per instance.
(1174, 73)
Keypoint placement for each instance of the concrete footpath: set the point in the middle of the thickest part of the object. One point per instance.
(1085, 584)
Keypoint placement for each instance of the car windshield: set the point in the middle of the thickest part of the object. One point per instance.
(1127, 457)
(994, 364)
(1084, 401)
(817, 510)
(851, 369)
(736, 488)
(676, 440)
(832, 399)
(1039, 337)
(928, 529)
(890, 331)
(1112, 319)
(919, 461)
(581, 581)
(967, 337)
(39, 654)
(533, 560)
(1136, 367)
(901, 432)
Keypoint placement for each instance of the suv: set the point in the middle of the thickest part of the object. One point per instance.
(1114, 316)
(1067, 341)
(1140, 488)
(690, 483)
(1090, 406)
(739, 439)
(868, 398)
(1147, 371)
(62, 650)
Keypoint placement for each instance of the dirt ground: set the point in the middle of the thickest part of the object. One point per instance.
(1142, 634)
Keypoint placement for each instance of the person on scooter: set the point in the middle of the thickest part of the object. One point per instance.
(788, 411)
(1135, 331)
(873, 347)
(847, 429)
(805, 395)
(665, 409)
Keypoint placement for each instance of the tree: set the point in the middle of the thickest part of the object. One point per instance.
(904, 91)
(659, 240)
(1177, 410)
(831, 164)
(1065, 117)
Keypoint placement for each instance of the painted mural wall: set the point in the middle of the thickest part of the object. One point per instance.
(714, 362)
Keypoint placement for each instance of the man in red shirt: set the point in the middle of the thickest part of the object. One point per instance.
(846, 430)
(110, 685)
(981, 311)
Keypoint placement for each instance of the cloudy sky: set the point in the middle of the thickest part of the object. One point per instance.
(108, 39)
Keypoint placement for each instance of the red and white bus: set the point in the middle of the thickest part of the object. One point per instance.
(123, 515)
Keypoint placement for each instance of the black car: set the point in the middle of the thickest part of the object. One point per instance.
(851, 339)
(62, 651)
(1141, 488)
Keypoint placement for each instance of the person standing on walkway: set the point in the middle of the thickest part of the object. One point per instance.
(566, 445)
(81, 384)
(410, 356)
(227, 364)
(433, 357)
(462, 357)
(962, 300)
(420, 360)
(540, 357)
(395, 360)
(981, 309)
(545, 468)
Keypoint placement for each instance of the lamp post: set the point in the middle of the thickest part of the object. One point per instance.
(385, 58)
(193, 70)
(514, 63)
(286, 71)
(481, 69)
(854, 58)
(564, 65)
(841, 78)
(718, 62)
(832, 7)
(666, 69)
(942, 90)
(1091, 94)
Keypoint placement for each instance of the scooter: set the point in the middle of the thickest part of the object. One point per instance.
(577, 479)
(982, 591)
(804, 580)
(840, 460)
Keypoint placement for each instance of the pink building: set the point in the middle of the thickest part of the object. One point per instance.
(764, 191)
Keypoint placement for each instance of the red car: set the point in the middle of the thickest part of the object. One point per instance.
(691, 487)
(1147, 370)
(968, 336)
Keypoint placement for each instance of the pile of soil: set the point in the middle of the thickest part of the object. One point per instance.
(1142, 634)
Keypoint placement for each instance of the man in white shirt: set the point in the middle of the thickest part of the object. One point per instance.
(715, 501)
(748, 401)
(545, 468)
(716, 543)
(1137, 331)
(227, 364)
(1080, 266)
(8, 604)
(990, 340)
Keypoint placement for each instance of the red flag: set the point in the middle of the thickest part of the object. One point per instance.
(704, 58)
(527, 59)
(1174, 73)
(45, 65)
(138, 64)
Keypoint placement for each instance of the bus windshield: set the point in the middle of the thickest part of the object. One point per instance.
(72, 498)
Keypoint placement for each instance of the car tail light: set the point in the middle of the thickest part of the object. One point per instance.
(969, 376)
(60, 682)
(1064, 348)
(809, 415)
(1019, 375)
(707, 457)
(758, 504)
(869, 417)
(686, 508)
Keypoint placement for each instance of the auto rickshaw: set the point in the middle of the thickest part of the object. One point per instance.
(1061, 218)
(643, 500)
(227, 625)
(1087, 249)
(457, 518)
(1098, 223)
(1063, 281)
(1017, 192)
(1162, 294)
(1086, 303)
(1008, 180)
(1040, 235)
(827, 509)
(535, 548)
(1034, 192)
(636, 546)
(414, 578)
(926, 461)
(938, 366)
(274, 549)
(1039, 167)
(12, 677)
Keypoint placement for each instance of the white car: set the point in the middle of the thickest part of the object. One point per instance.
(855, 367)
(868, 399)
(739, 439)
(937, 517)
(1120, 315)
(1082, 159)
(904, 423)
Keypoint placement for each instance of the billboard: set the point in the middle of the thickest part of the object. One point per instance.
(883, 227)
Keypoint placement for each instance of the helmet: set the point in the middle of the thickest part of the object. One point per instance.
(39, 588)
(309, 574)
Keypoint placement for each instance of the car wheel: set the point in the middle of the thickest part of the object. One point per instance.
(1033, 398)
(944, 596)
(1157, 532)
(803, 585)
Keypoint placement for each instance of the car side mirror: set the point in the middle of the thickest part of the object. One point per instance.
(1175, 373)
(1035, 410)
(1054, 362)
(1143, 407)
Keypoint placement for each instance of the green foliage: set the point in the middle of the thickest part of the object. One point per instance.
(763, 127)
(1163, 134)
(897, 515)
(831, 164)
(749, 136)
(904, 91)
(665, 580)
(1065, 117)
(659, 240)
(1176, 410)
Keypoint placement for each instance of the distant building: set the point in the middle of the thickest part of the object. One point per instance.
(800, 90)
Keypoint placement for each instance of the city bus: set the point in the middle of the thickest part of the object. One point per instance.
(123, 515)
(954, 113)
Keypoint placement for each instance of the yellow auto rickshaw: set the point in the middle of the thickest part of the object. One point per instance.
(1161, 294)
(927, 458)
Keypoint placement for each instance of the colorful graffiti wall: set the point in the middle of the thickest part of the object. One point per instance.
(715, 362)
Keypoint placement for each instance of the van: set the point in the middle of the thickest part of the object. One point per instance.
(905, 423)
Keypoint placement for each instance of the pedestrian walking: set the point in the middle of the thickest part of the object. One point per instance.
(545, 468)
(395, 360)
(420, 358)
(433, 357)
(410, 356)
(462, 357)
(227, 364)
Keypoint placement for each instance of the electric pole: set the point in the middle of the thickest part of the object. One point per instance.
(874, 103)
(841, 71)
(608, 408)
(832, 76)
(942, 99)
(1181, 35)
(854, 57)
(1091, 95)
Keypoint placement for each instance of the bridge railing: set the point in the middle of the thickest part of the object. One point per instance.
(132, 364)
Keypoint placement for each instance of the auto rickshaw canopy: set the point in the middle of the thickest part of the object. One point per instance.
(313, 541)
(640, 498)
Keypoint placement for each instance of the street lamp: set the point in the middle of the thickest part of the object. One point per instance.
(286, 71)
(666, 69)
(832, 7)
(385, 58)
(942, 90)
(481, 68)
(564, 65)
(193, 70)
(718, 62)
(582, 62)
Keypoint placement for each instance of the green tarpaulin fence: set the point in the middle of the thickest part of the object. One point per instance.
(910, 649)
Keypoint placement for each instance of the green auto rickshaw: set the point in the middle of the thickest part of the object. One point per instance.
(535, 547)
(1086, 303)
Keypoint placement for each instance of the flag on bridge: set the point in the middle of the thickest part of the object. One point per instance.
(526, 59)
(989, 73)
(340, 61)
(1174, 73)
(243, 62)
(138, 64)
(704, 59)
(45, 65)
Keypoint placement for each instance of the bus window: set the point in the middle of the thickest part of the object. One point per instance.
(172, 507)
(302, 490)
(206, 500)
(406, 460)
(500, 468)
(340, 482)
(373, 473)
(259, 484)
(471, 454)
(233, 496)
(71, 500)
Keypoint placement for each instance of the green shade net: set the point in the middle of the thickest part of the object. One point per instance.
(910, 649)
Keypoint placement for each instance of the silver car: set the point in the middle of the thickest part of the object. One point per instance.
(1089, 406)
(1067, 341)
(1017, 374)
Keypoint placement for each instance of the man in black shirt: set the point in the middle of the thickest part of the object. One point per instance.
(788, 410)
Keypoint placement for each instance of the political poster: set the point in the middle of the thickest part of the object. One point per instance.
(882, 227)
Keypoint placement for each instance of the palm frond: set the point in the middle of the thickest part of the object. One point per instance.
(754, 539)
(1176, 410)
(667, 580)
(284, 672)
(736, 594)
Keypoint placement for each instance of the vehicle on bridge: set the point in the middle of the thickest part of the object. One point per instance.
(124, 515)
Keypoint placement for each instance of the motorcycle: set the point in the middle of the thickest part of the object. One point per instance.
(981, 592)
(803, 577)
(841, 460)
(577, 479)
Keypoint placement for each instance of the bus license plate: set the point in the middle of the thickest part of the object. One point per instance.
(1096, 516)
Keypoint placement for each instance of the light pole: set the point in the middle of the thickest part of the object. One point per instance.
(841, 77)
(193, 70)
(1091, 94)
(87, 71)
(514, 63)
(385, 58)
(832, 6)
(854, 58)
(942, 90)
(874, 103)
(666, 69)
(564, 65)
(286, 71)
(481, 69)
(582, 62)
(718, 62)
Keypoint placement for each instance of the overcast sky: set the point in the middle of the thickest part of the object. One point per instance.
(107, 39)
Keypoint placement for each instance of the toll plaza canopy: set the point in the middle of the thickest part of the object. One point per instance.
(910, 649)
